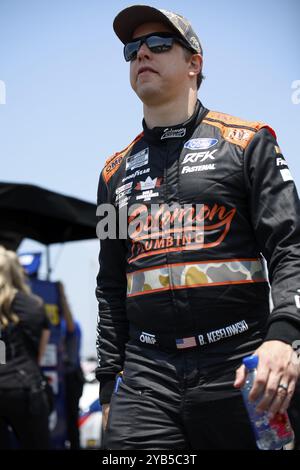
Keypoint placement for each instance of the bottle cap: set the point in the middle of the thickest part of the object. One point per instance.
(250, 362)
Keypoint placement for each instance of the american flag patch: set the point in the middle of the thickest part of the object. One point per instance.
(183, 343)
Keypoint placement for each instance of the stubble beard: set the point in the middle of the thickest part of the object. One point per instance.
(151, 94)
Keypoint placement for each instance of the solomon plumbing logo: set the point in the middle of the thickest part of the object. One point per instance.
(160, 227)
(2, 92)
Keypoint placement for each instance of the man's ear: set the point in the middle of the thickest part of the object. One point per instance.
(195, 65)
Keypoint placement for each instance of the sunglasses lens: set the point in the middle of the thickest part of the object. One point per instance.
(159, 44)
(131, 49)
(156, 44)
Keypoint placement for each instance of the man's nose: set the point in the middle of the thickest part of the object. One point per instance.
(143, 52)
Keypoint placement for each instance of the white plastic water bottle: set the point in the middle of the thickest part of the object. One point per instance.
(270, 434)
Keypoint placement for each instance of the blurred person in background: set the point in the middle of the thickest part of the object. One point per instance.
(74, 378)
(25, 331)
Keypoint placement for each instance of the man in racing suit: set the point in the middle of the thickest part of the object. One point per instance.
(183, 291)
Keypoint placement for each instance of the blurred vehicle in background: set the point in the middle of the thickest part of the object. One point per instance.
(90, 412)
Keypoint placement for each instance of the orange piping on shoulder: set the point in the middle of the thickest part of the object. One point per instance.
(235, 130)
(112, 163)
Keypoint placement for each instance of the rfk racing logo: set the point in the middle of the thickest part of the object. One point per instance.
(161, 228)
(199, 157)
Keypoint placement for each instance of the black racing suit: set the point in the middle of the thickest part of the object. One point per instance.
(206, 201)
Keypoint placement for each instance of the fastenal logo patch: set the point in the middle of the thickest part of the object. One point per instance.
(200, 144)
(193, 169)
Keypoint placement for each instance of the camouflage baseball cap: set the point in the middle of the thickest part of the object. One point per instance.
(130, 18)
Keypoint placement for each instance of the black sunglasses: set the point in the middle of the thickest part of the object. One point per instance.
(156, 42)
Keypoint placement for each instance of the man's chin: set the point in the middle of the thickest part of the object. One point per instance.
(148, 94)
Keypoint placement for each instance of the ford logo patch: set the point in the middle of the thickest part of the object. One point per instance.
(200, 144)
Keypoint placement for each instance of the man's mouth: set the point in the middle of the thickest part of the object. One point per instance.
(146, 69)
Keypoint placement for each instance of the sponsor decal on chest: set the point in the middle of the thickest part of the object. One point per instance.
(200, 144)
(147, 195)
(156, 228)
(147, 188)
(193, 169)
(139, 159)
(135, 174)
(124, 188)
(122, 193)
(173, 133)
(123, 202)
(149, 183)
(198, 157)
